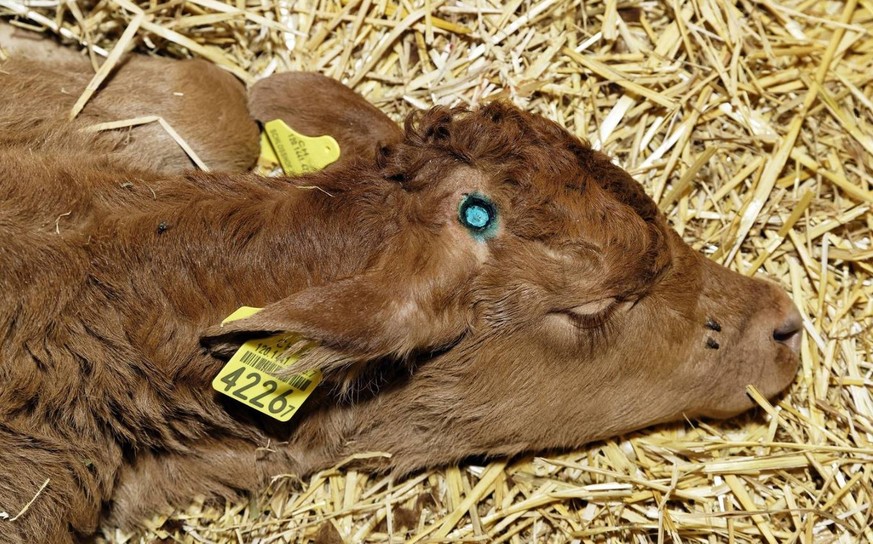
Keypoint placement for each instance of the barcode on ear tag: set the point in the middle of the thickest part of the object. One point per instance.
(250, 376)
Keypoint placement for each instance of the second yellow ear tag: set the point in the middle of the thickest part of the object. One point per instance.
(268, 162)
(299, 154)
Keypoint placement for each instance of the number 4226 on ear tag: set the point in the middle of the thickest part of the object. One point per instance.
(251, 375)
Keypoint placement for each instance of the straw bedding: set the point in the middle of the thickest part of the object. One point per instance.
(751, 125)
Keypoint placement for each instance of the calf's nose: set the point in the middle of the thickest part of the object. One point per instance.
(788, 332)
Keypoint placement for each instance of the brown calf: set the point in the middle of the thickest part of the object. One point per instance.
(482, 283)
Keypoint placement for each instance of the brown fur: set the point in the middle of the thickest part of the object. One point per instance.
(584, 316)
(146, 86)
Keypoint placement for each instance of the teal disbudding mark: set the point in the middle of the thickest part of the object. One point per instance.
(479, 215)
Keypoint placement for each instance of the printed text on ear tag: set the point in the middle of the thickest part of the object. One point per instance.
(299, 154)
(250, 376)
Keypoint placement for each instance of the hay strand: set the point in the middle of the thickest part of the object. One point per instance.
(127, 123)
(118, 50)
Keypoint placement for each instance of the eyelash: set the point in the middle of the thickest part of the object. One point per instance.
(592, 321)
(592, 331)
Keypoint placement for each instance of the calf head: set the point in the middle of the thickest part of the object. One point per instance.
(533, 292)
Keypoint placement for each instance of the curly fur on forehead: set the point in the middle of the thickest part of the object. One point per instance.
(498, 139)
(512, 146)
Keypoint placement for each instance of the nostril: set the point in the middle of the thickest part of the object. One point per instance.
(788, 332)
(785, 334)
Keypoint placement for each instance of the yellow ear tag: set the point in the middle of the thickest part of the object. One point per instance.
(250, 376)
(299, 154)
(268, 162)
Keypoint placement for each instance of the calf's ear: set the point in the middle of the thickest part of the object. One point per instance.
(358, 320)
(315, 105)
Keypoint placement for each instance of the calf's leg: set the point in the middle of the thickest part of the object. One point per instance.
(50, 489)
(41, 81)
(216, 468)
